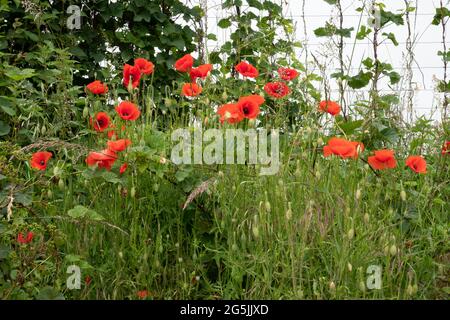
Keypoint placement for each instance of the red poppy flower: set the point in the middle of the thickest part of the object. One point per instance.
(191, 90)
(277, 89)
(246, 69)
(145, 66)
(39, 160)
(287, 73)
(200, 72)
(230, 113)
(249, 106)
(330, 106)
(87, 280)
(102, 122)
(97, 87)
(24, 240)
(128, 111)
(118, 145)
(132, 73)
(185, 63)
(343, 148)
(123, 168)
(103, 159)
(446, 148)
(417, 164)
(383, 159)
(142, 294)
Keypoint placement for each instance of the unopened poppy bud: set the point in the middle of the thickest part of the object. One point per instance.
(224, 95)
(289, 212)
(130, 87)
(320, 141)
(362, 286)
(49, 193)
(168, 102)
(61, 184)
(318, 174)
(410, 290)
(366, 167)
(120, 254)
(393, 250)
(255, 231)
(85, 112)
(133, 192)
(43, 129)
(349, 267)
(386, 250)
(234, 247)
(267, 205)
(180, 259)
(332, 287)
(358, 194)
(350, 234)
(403, 195)
(308, 130)
(220, 174)
(57, 171)
(119, 188)
(415, 289)
(366, 218)
(205, 121)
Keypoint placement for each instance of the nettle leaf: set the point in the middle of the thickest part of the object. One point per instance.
(110, 177)
(19, 74)
(345, 32)
(394, 77)
(327, 31)
(4, 128)
(6, 106)
(4, 251)
(350, 126)
(49, 293)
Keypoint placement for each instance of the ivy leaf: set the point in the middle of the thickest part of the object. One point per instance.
(224, 23)
(391, 37)
(361, 80)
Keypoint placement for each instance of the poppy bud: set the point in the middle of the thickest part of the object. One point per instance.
(403, 195)
(180, 259)
(320, 141)
(168, 102)
(49, 193)
(308, 130)
(61, 184)
(255, 231)
(133, 192)
(393, 250)
(224, 95)
(318, 175)
(120, 255)
(234, 247)
(332, 287)
(119, 188)
(220, 174)
(358, 194)
(362, 286)
(349, 267)
(57, 171)
(85, 112)
(289, 212)
(350, 234)
(386, 250)
(409, 290)
(267, 205)
(43, 129)
(366, 167)
(205, 121)
(157, 264)
(366, 218)
(130, 87)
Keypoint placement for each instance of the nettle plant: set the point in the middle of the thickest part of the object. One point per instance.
(380, 122)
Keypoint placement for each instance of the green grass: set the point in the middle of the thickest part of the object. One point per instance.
(309, 232)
